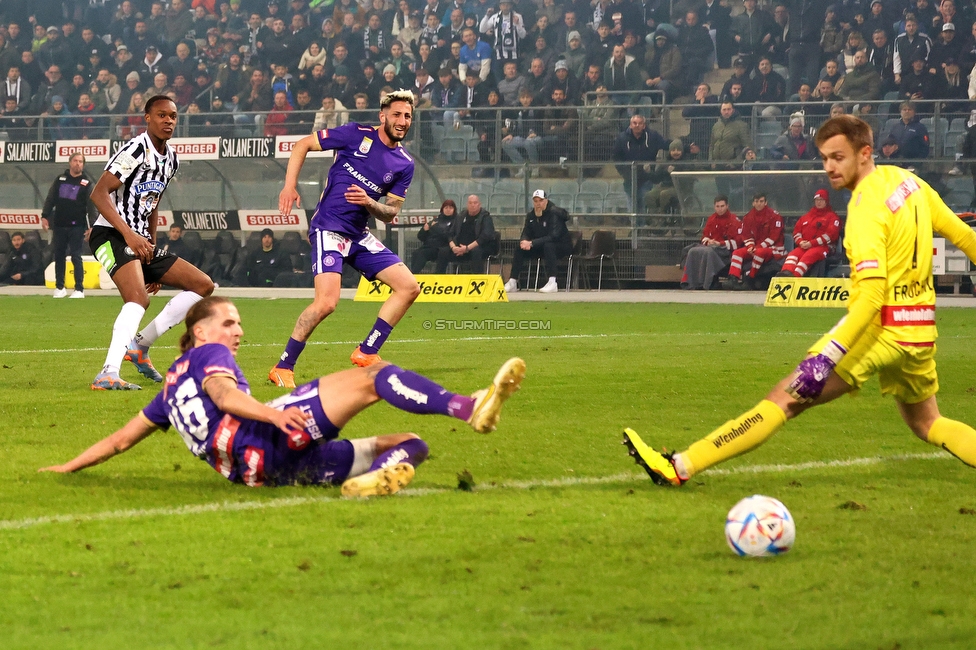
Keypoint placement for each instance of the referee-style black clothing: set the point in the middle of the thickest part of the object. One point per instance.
(69, 213)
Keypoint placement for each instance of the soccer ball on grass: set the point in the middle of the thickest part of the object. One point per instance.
(759, 526)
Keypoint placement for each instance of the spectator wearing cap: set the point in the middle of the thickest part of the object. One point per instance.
(341, 87)
(832, 35)
(564, 80)
(55, 50)
(794, 144)
(945, 47)
(862, 82)
(751, 31)
(907, 47)
(152, 64)
(664, 195)
(910, 135)
(131, 85)
(952, 84)
(575, 54)
(919, 82)
(740, 75)
(663, 62)
(877, 17)
(816, 233)
(545, 235)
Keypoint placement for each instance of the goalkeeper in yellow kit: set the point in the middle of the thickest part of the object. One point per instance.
(889, 329)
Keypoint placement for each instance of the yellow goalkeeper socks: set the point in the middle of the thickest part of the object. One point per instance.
(957, 438)
(733, 438)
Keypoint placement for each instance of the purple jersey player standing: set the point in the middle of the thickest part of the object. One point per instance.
(369, 164)
(293, 439)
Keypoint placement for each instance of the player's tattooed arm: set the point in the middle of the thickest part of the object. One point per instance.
(385, 213)
(224, 392)
(134, 432)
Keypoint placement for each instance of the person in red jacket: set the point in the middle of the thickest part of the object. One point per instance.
(277, 121)
(706, 260)
(814, 234)
(760, 240)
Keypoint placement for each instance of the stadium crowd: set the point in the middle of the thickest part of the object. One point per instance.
(80, 61)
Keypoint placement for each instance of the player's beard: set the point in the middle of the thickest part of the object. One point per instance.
(392, 135)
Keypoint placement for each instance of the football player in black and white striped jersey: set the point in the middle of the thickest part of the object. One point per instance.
(124, 242)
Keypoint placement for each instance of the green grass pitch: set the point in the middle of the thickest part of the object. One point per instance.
(563, 543)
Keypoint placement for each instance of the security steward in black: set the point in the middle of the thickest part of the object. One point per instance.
(69, 213)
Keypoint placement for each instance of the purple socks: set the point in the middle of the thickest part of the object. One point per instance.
(414, 393)
(377, 337)
(413, 451)
(290, 356)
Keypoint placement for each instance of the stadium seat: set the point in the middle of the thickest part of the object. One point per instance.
(474, 156)
(596, 186)
(455, 149)
(564, 186)
(602, 248)
(5, 245)
(503, 203)
(576, 237)
(960, 192)
(937, 132)
(226, 251)
(509, 185)
(616, 202)
(495, 254)
(4, 263)
(564, 201)
(589, 203)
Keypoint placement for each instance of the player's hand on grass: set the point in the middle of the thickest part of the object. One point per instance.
(286, 198)
(60, 469)
(808, 380)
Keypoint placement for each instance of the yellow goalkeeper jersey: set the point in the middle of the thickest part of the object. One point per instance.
(890, 219)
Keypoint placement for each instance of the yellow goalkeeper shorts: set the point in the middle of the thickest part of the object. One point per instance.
(906, 372)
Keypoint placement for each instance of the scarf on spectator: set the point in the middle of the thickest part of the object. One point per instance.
(14, 91)
(380, 40)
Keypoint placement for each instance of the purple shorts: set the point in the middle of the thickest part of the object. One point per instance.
(258, 453)
(368, 255)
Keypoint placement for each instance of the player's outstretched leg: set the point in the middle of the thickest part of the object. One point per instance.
(658, 465)
(733, 438)
(390, 470)
(414, 393)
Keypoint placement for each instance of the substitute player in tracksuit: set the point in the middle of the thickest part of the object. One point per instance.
(814, 235)
(889, 328)
(760, 240)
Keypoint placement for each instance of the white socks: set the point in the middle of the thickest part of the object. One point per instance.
(122, 332)
(172, 314)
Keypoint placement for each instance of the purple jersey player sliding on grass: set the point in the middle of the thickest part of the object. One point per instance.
(293, 439)
(369, 164)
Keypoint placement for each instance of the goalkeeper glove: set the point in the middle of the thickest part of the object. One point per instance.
(809, 378)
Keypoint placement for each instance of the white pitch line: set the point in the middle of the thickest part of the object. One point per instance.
(288, 502)
(463, 339)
